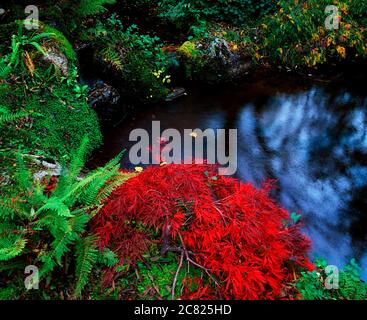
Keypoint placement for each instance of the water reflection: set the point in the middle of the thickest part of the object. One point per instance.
(315, 145)
(311, 138)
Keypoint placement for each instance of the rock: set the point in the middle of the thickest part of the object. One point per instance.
(50, 169)
(106, 101)
(176, 93)
(214, 60)
(58, 59)
(220, 49)
(103, 94)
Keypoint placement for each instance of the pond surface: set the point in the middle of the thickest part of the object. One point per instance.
(309, 136)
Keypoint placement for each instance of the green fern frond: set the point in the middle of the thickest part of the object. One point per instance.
(77, 189)
(58, 248)
(63, 239)
(91, 194)
(12, 265)
(114, 162)
(5, 69)
(79, 221)
(11, 247)
(8, 293)
(86, 257)
(6, 118)
(7, 228)
(108, 258)
(87, 7)
(38, 197)
(7, 211)
(69, 175)
(55, 204)
(22, 176)
(111, 56)
(116, 182)
(54, 223)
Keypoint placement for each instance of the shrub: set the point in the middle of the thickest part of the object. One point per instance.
(135, 59)
(235, 235)
(236, 12)
(69, 14)
(296, 35)
(358, 9)
(312, 284)
(44, 223)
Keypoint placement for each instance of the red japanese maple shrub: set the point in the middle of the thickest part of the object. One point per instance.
(232, 230)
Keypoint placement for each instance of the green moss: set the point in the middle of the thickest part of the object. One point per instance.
(57, 116)
(62, 42)
(188, 49)
(159, 275)
(56, 124)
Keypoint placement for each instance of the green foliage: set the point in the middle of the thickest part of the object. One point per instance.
(193, 59)
(189, 50)
(86, 257)
(6, 116)
(86, 8)
(58, 116)
(68, 13)
(358, 9)
(47, 226)
(155, 278)
(214, 53)
(296, 35)
(159, 275)
(57, 120)
(311, 285)
(30, 46)
(107, 258)
(351, 287)
(237, 12)
(137, 59)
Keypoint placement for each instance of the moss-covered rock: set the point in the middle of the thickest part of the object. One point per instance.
(221, 55)
(39, 80)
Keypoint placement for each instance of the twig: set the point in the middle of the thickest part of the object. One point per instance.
(154, 285)
(205, 269)
(195, 263)
(176, 276)
(166, 239)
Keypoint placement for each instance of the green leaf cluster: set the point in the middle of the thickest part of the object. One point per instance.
(47, 227)
(312, 285)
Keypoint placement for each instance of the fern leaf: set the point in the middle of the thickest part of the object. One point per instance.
(70, 175)
(55, 204)
(108, 258)
(90, 196)
(86, 257)
(11, 117)
(87, 7)
(23, 176)
(7, 211)
(111, 56)
(11, 247)
(116, 182)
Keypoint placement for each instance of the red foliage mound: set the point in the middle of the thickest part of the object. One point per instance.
(232, 230)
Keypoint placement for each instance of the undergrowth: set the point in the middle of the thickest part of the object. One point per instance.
(44, 223)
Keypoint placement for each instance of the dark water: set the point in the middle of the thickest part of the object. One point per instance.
(310, 137)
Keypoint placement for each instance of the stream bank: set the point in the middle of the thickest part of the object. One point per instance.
(308, 135)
